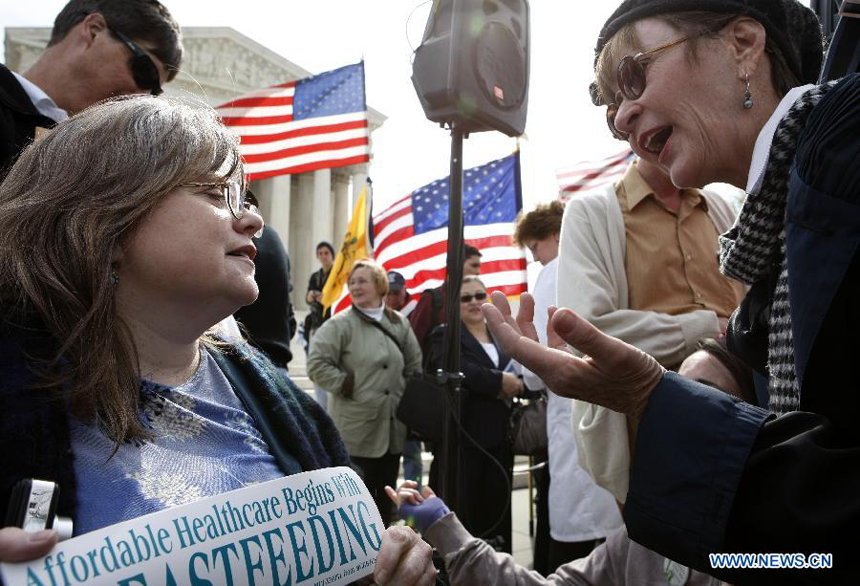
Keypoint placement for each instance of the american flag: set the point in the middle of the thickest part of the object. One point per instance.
(591, 175)
(411, 236)
(313, 123)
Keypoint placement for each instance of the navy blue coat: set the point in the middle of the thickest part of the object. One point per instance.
(711, 473)
(484, 416)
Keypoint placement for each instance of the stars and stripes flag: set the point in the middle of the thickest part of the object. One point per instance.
(314, 123)
(411, 236)
(591, 175)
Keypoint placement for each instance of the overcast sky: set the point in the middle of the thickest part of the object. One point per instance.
(409, 151)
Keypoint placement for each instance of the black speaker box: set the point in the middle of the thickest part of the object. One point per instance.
(472, 67)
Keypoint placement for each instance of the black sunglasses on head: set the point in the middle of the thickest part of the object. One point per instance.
(143, 69)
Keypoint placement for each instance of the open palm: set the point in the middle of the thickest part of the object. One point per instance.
(611, 373)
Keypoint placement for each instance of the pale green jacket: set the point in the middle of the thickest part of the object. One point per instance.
(350, 343)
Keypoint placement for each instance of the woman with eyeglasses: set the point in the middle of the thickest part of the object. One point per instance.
(125, 236)
(362, 358)
(487, 460)
(725, 90)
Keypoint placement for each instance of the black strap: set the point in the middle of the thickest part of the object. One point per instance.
(381, 328)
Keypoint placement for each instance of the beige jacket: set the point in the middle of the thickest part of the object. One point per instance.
(592, 281)
(349, 344)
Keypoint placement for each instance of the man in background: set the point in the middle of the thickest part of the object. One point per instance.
(398, 298)
(318, 314)
(98, 49)
(430, 310)
(270, 322)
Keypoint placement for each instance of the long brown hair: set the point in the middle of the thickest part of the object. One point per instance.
(67, 205)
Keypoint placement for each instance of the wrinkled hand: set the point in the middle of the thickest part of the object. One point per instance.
(512, 385)
(17, 545)
(612, 374)
(404, 558)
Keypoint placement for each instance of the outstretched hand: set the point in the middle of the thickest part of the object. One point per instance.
(611, 373)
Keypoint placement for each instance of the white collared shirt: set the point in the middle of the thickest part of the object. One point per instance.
(761, 152)
(41, 101)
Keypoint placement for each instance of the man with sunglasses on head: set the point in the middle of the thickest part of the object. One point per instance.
(97, 49)
(639, 261)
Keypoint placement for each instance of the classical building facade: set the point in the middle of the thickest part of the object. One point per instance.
(219, 65)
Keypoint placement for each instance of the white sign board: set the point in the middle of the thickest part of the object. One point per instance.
(315, 528)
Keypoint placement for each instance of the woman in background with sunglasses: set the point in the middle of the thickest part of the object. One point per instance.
(487, 460)
(125, 236)
(713, 91)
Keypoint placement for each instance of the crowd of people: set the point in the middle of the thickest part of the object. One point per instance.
(698, 372)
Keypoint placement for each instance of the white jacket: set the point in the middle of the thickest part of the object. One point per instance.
(592, 281)
(579, 510)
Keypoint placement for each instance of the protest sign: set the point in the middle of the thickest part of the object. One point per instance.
(316, 528)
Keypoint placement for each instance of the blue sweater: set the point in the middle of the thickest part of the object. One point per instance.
(34, 427)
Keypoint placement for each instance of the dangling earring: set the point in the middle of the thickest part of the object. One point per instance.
(114, 277)
(748, 102)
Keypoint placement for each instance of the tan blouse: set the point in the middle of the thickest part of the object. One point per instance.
(672, 265)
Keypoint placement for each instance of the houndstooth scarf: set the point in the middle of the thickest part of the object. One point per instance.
(755, 246)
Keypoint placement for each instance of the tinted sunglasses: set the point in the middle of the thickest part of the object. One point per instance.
(631, 81)
(468, 298)
(143, 69)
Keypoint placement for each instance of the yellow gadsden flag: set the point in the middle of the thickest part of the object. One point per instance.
(355, 246)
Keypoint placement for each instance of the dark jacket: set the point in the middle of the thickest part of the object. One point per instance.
(484, 414)
(270, 321)
(317, 314)
(428, 313)
(714, 474)
(18, 120)
(34, 428)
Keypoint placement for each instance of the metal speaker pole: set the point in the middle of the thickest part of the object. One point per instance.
(450, 373)
(471, 74)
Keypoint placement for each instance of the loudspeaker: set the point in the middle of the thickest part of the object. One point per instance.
(472, 66)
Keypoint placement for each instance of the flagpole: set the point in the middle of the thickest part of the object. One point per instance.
(450, 374)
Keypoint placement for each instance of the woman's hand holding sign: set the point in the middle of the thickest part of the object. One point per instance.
(611, 373)
(17, 545)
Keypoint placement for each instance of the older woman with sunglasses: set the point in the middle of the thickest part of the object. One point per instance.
(712, 90)
(125, 236)
(489, 384)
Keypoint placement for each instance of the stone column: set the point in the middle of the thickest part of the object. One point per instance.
(301, 240)
(358, 182)
(340, 205)
(322, 220)
(274, 196)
